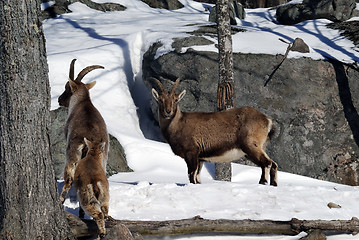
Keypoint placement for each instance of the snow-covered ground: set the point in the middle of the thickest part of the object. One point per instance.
(158, 189)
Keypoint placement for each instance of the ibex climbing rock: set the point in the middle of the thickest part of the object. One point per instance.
(221, 136)
(84, 121)
(91, 183)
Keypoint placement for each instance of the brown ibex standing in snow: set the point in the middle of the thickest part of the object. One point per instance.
(214, 137)
(91, 183)
(84, 121)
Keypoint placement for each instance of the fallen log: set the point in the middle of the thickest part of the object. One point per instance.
(351, 226)
(84, 227)
(246, 226)
(200, 225)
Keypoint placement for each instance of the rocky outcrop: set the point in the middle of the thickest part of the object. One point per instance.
(349, 29)
(116, 158)
(166, 4)
(253, 3)
(312, 102)
(235, 10)
(61, 6)
(334, 10)
(262, 3)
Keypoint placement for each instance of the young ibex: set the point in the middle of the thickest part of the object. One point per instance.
(214, 137)
(91, 183)
(84, 120)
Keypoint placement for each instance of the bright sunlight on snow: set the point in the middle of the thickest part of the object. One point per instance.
(159, 189)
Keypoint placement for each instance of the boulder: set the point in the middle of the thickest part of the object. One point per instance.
(235, 10)
(116, 157)
(58, 7)
(313, 104)
(262, 3)
(333, 10)
(166, 4)
(349, 29)
(300, 46)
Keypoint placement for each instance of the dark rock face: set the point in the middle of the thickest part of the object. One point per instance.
(262, 3)
(166, 4)
(313, 104)
(61, 7)
(350, 29)
(334, 10)
(116, 158)
(252, 3)
(235, 10)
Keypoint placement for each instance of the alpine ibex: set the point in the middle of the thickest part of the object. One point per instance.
(84, 121)
(91, 183)
(214, 137)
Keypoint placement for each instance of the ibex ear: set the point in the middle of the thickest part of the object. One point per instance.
(90, 85)
(102, 147)
(73, 85)
(87, 142)
(155, 94)
(181, 95)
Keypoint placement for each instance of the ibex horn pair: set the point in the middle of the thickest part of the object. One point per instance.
(159, 84)
(84, 71)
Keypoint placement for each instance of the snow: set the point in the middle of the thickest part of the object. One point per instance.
(159, 189)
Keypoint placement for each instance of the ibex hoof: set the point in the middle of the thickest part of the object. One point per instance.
(274, 184)
(264, 182)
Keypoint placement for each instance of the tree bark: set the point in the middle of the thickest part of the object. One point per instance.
(197, 224)
(225, 84)
(29, 203)
(225, 96)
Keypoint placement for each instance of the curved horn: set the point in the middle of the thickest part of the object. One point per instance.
(85, 71)
(158, 83)
(175, 85)
(71, 73)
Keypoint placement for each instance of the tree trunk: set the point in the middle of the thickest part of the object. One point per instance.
(225, 97)
(29, 203)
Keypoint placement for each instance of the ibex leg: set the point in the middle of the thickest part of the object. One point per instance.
(73, 157)
(257, 156)
(199, 168)
(273, 174)
(193, 166)
(94, 210)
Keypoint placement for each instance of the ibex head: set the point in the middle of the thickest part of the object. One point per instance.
(167, 101)
(73, 84)
(95, 148)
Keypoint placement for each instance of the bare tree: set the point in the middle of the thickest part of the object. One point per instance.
(29, 204)
(225, 97)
